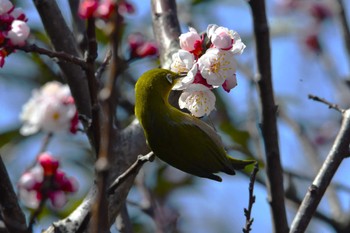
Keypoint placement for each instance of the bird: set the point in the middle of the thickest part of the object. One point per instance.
(178, 138)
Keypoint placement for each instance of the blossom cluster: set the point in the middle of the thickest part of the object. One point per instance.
(103, 8)
(207, 65)
(13, 29)
(51, 109)
(46, 181)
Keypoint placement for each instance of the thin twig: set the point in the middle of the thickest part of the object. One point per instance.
(36, 213)
(330, 105)
(141, 159)
(107, 98)
(104, 65)
(248, 212)
(63, 56)
(339, 151)
(269, 129)
(42, 149)
(90, 57)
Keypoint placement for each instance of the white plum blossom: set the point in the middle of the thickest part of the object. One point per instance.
(205, 65)
(183, 61)
(5, 6)
(198, 99)
(216, 66)
(223, 38)
(183, 83)
(19, 32)
(50, 109)
(191, 40)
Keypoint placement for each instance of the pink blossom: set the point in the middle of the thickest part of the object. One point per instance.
(216, 66)
(46, 181)
(5, 6)
(19, 32)
(50, 109)
(223, 38)
(105, 9)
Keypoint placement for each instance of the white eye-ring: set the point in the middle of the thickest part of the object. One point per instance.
(169, 78)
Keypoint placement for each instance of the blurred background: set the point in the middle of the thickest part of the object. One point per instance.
(309, 56)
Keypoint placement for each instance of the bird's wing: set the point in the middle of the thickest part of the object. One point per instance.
(203, 142)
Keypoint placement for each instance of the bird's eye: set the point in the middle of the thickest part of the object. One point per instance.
(169, 78)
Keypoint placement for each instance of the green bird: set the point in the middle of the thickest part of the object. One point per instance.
(179, 139)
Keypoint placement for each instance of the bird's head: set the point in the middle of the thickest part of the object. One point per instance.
(157, 82)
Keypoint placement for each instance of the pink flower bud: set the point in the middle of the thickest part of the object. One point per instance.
(320, 11)
(230, 83)
(49, 163)
(147, 49)
(191, 42)
(312, 42)
(87, 8)
(125, 7)
(105, 9)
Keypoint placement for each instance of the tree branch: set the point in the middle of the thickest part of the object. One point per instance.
(166, 29)
(248, 212)
(75, 220)
(326, 102)
(63, 40)
(344, 26)
(339, 151)
(11, 212)
(134, 168)
(269, 125)
(62, 56)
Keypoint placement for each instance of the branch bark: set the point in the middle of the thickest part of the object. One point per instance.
(338, 152)
(11, 212)
(269, 125)
(62, 40)
(166, 29)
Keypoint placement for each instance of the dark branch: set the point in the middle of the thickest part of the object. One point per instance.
(11, 212)
(248, 212)
(62, 56)
(269, 125)
(344, 26)
(134, 168)
(330, 105)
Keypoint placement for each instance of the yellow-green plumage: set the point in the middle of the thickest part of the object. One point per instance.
(178, 138)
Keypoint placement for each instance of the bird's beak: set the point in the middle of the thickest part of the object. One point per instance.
(173, 79)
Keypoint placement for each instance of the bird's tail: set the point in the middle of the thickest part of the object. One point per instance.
(239, 164)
